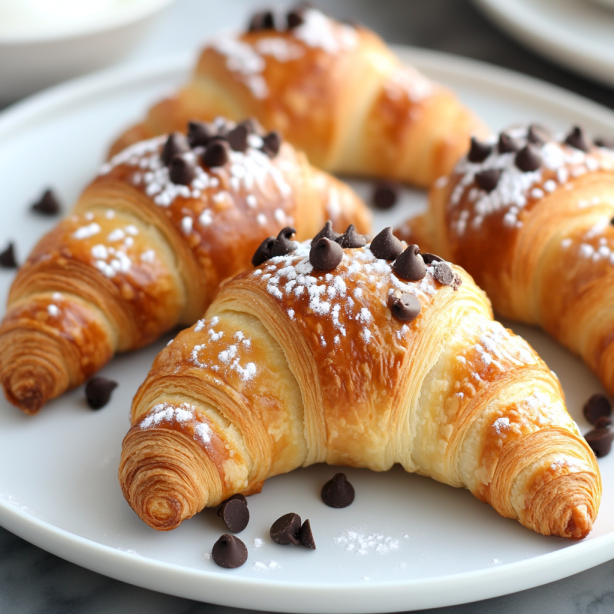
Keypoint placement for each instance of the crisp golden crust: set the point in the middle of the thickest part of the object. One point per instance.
(293, 366)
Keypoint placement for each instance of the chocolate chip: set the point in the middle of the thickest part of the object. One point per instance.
(430, 258)
(234, 514)
(537, 135)
(264, 251)
(175, 144)
(405, 308)
(295, 19)
(237, 137)
(271, 143)
(487, 180)
(229, 552)
(527, 159)
(305, 536)
(216, 153)
(98, 391)
(577, 139)
(238, 496)
(200, 133)
(600, 441)
(478, 152)
(601, 141)
(446, 276)
(264, 20)
(285, 530)
(327, 232)
(507, 144)
(351, 239)
(338, 492)
(47, 205)
(385, 195)
(386, 246)
(409, 266)
(325, 255)
(603, 422)
(181, 171)
(283, 243)
(7, 257)
(596, 407)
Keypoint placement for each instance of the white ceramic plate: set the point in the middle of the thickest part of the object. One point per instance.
(578, 34)
(58, 484)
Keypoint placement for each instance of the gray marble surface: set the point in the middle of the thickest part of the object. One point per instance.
(33, 581)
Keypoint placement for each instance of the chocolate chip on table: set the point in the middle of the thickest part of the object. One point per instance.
(430, 258)
(7, 257)
(385, 195)
(238, 496)
(48, 204)
(283, 243)
(537, 134)
(98, 391)
(295, 19)
(528, 159)
(446, 276)
(285, 530)
(409, 266)
(237, 137)
(386, 246)
(229, 552)
(338, 492)
(327, 232)
(405, 308)
(577, 139)
(601, 141)
(325, 255)
(596, 407)
(264, 251)
(305, 536)
(176, 144)
(600, 441)
(181, 172)
(351, 238)
(263, 20)
(507, 144)
(478, 152)
(271, 143)
(235, 514)
(487, 180)
(216, 153)
(603, 422)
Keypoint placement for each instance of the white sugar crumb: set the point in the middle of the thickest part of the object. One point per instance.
(207, 555)
(184, 413)
(251, 201)
(501, 425)
(356, 542)
(85, 232)
(206, 217)
(53, 310)
(261, 219)
(258, 542)
(495, 561)
(186, 224)
(116, 235)
(265, 565)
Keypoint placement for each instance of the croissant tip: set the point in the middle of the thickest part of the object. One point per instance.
(162, 512)
(25, 393)
(580, 523)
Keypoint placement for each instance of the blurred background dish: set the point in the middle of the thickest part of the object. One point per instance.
(43, 42)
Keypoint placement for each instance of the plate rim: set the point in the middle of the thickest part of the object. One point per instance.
(273, 595)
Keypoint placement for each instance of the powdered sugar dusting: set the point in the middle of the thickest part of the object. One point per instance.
(360, 543)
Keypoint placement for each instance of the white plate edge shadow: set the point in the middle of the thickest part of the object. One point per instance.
(285, 596)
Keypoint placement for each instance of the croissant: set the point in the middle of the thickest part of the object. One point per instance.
(529, 216)
(147, 245)
(334, 90)
(299, 361)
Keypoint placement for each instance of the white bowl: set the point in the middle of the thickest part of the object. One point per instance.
(40, 47)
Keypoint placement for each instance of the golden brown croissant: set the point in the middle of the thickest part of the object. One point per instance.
(300, 361)
(334, 90)
(147, 245)
(530, 219)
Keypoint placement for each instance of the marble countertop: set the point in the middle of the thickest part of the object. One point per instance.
(33, 581)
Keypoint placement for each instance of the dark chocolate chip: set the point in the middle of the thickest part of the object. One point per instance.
(176, 144)
(283, 243)
(409, 266)
(430, 258)
(237, 137)
(251, 124)
(264, 20)
(446, 276)
(216, 153)
(507, 144)
(385, 195)
(47, 205)
(181, 171)
(325, 255)
(577, 139)
(600, 441)
(285, 530)
(601, 141)
(327, 232)
(405, 308)
(98, 391)
(478, 152)
(537, 135)
(264, 251)
(7, 257)
(603, 422)
(386, 246)
(338, 492)
(200, 133)
(528, 159)
(271, 143)
(229, 552)
(238, 496)
(295, 19)
(597, 406)
(305, 536)
(234, 514)
(351, 239)
(487, 180)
